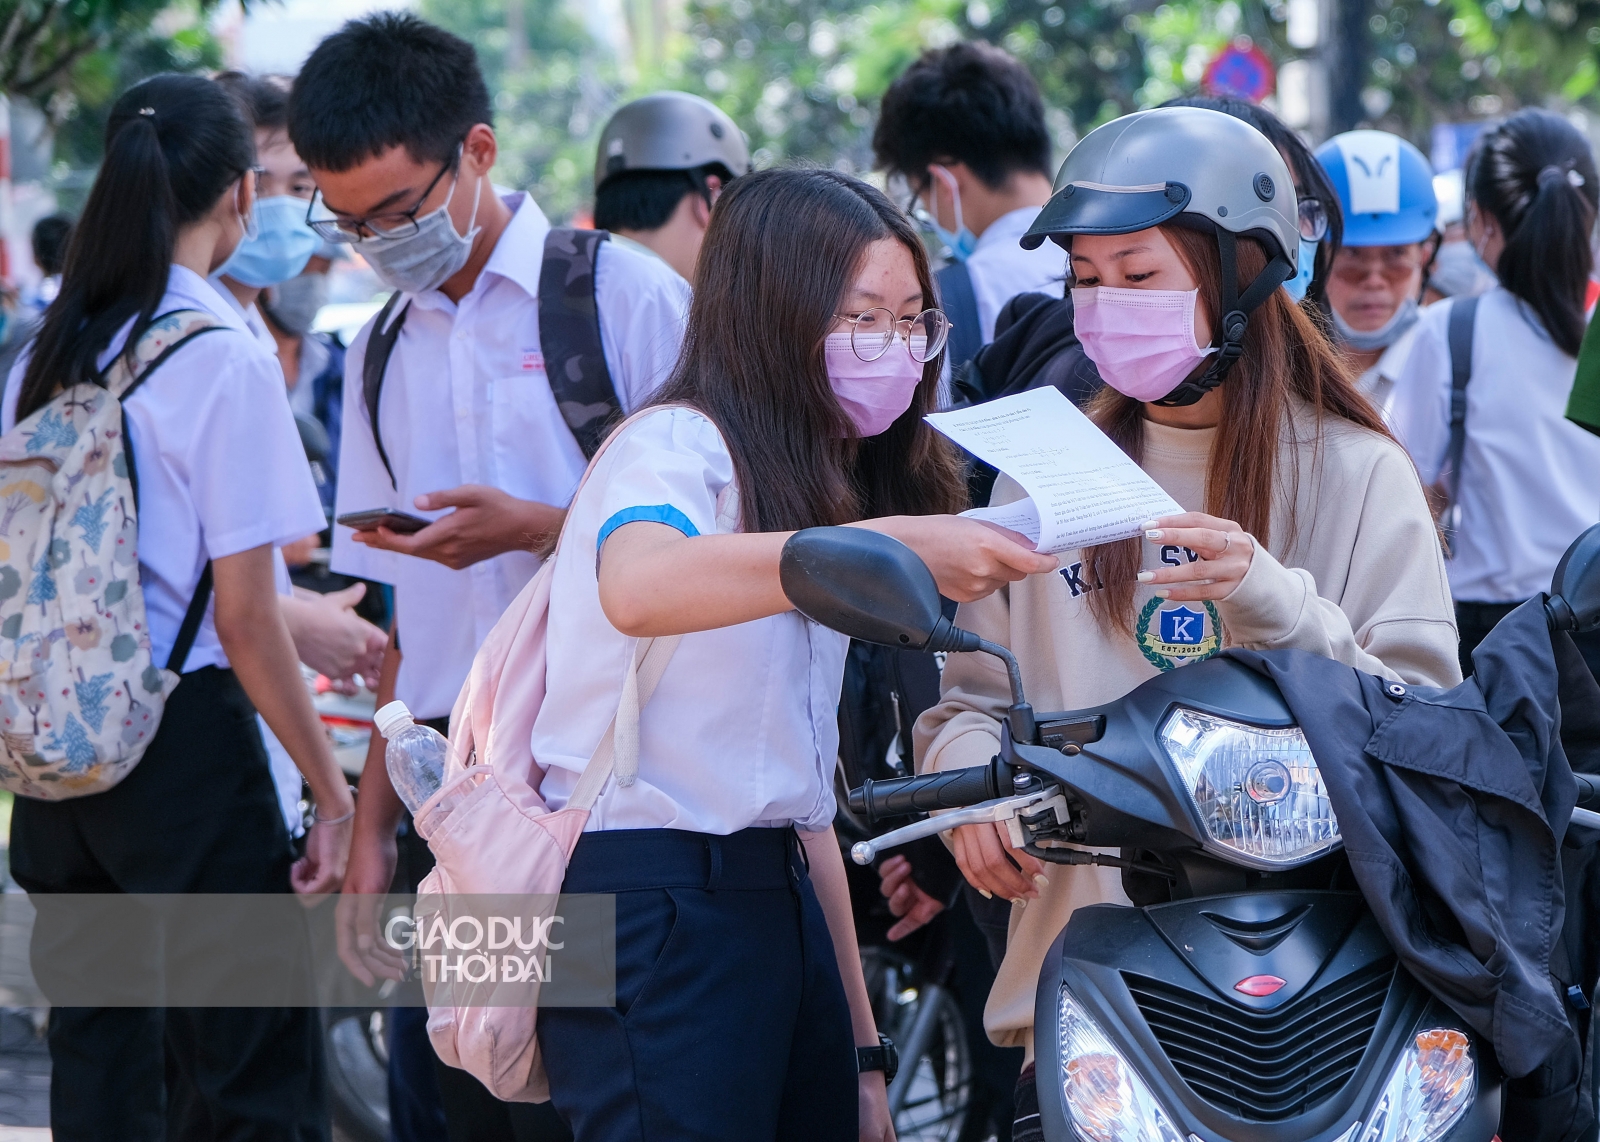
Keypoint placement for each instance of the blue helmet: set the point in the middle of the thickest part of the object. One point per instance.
(1385, 187)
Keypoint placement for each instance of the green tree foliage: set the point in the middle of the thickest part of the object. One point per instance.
(552, 93)
(1455, 60)
(804, 77)
(79, 106)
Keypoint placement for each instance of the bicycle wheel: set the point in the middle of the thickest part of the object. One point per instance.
(937, 1083)
(358, 1078)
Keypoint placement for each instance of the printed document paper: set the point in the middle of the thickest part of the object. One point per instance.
(1081, 488)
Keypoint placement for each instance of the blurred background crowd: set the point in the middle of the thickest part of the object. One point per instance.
(804, 78)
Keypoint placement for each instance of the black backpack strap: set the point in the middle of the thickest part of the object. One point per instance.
(1458, 336)
(569, 335)
(380, 346)
(191, 622)
(960, 305)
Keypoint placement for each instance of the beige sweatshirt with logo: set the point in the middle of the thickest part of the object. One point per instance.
(1363, 582)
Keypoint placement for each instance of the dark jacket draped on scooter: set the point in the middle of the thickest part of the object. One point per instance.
(1454, 806)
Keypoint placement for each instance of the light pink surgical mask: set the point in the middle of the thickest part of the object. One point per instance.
(1140, 340)
(873, 394)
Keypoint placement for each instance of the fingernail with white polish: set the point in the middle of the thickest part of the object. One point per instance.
(1041, 880)
(1153, 533)
(1163, 594)
(1147, 576)
(1148, 523)
(1019, 902)
(986, 894)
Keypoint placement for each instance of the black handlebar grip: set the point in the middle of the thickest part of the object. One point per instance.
(903, 796)
(1588, 790)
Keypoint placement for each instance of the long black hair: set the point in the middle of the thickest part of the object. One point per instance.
(1309, 177)
(779, 257)
(174, 144)
(1536, 175)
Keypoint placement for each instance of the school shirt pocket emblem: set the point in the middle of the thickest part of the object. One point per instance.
(1177, 634)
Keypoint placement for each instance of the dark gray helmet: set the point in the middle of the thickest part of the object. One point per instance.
(670, 131)
(1198, 168)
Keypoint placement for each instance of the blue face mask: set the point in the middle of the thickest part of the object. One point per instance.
(1296, 286)
(279, 249)
(961, 242)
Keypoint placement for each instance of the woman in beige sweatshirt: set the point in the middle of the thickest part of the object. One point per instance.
(1305, 527)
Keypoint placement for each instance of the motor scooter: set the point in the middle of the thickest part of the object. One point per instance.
(1249, 995)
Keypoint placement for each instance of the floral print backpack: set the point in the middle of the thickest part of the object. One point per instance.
(80, 697)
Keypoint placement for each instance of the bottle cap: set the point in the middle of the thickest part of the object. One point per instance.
(393, 718)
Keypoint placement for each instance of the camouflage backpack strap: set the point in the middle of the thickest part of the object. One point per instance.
(380, 346)
(569, 335)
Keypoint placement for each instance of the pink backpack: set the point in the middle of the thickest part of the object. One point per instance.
(492, 833)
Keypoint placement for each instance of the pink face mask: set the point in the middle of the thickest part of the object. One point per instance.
(1140, 340)
(872, 393)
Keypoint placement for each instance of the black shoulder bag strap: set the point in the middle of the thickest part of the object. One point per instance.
(1463, 316)
(380, 346)
(196, 612)
(569, 335)
(960, 305)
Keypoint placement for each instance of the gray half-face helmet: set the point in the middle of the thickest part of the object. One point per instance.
(671, 131)
(1200, 169)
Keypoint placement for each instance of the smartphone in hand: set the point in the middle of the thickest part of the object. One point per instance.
(402, 523)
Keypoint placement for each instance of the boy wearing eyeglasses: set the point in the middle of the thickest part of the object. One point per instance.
(475, 397)
(963, 127)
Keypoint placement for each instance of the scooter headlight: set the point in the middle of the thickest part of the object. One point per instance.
(1258, 791)
(1430, 1089)
(1106, 1099)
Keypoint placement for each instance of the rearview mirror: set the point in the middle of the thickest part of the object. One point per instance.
(874, 588)
(1574, 602)
(862, 583)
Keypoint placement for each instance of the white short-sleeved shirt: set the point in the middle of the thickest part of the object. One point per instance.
(1378, 382)
(1530, 478)
(221, 468)
(466, 401)
(742, 730)
(1000, 268)
(249, 315)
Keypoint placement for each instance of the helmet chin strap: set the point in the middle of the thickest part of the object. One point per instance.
(1235, 318)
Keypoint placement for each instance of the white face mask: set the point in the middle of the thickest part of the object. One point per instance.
(430, 257)
(1385, 335)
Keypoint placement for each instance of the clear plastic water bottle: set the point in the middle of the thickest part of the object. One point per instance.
(415, 755)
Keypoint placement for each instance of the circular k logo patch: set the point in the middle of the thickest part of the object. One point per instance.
(1175, 634)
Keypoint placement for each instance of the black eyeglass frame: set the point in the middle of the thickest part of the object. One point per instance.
(348, 231)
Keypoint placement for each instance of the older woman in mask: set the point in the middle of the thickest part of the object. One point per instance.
(1385, 188)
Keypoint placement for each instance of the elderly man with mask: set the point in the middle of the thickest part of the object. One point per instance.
(1386, 189)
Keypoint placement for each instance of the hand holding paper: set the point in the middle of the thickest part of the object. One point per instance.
(1082, 489)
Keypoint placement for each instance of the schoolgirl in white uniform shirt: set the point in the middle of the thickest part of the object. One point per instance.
(1529, 482)
(222, 480)
(798, 401)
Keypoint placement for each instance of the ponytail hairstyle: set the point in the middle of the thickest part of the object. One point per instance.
(174, 145)
(1536, 175)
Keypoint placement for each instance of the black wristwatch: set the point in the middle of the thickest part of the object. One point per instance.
(883, 1058)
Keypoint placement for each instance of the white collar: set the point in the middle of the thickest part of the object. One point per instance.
(1009, 227)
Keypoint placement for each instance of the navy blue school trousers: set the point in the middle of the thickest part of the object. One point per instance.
(731, 1023)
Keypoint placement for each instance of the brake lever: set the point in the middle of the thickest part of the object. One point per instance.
(989, 812)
